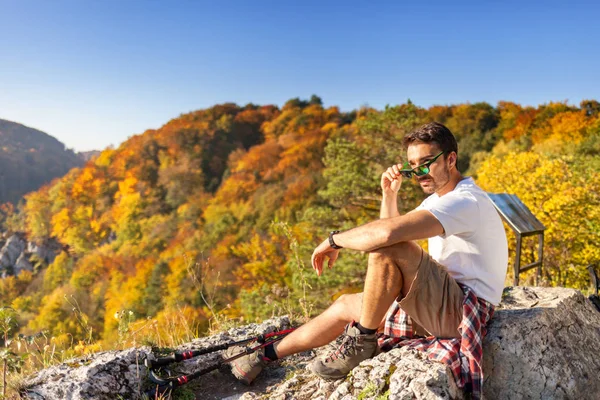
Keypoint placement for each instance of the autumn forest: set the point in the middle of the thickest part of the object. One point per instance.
(214, 216)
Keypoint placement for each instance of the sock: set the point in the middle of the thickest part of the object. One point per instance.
(270, 352)
(364, 330)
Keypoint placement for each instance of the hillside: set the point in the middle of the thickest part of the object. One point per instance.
(29, 159)
(214, 215)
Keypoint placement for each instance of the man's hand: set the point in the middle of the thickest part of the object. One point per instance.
(391, 179)
(318, 257)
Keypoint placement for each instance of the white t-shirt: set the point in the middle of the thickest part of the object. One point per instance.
(473, 246)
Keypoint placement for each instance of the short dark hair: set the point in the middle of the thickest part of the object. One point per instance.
(433, 132)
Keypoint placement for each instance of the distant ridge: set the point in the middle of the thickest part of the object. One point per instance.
(88, 155)
(30, 158)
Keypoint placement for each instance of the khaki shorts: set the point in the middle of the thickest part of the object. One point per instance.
(434, 301)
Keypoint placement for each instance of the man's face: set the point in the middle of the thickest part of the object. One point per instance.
(439, 171)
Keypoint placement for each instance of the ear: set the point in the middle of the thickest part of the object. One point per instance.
(452, 157)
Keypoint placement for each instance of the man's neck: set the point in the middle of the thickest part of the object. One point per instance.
(455, 177)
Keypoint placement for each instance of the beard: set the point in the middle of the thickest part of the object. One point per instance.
(431, 185)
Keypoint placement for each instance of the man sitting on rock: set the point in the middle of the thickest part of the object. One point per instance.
(448, 294)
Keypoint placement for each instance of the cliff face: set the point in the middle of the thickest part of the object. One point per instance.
(541, 343)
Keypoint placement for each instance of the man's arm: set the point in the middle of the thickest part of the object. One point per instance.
(389, 205)
(415, 225)
(391, 180)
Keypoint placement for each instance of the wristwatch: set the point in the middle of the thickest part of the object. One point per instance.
(331, 242)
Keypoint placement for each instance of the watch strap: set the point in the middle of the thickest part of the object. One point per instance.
(331, 242)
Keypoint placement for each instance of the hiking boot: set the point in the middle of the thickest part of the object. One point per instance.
(355, 348)
(246, 368)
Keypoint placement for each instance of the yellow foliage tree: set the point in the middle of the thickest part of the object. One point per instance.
(59, 272)
(564, 199)
(565, 127)
(262, 262)
(38, 214)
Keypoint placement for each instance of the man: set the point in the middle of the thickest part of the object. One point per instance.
(468, 255)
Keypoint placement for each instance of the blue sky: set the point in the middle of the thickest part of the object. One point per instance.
(92, 73)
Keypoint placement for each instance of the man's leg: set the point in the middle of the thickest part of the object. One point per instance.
(391, 271)
(316, 333)
(322, 329)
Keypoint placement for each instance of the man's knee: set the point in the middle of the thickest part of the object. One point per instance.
(399, 253)
(349, 300)
(349, 305)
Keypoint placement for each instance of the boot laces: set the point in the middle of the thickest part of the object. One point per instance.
(350, 345)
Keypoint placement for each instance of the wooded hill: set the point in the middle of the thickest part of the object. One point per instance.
(215, 214)
(29, 159)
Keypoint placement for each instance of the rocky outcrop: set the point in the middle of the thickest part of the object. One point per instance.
(542, 343)
(10, 252)
(546, 344)
(16, 254)
(23, 263)
(107, 375)
(45, 251)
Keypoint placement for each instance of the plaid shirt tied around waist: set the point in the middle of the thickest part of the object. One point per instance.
(463, 355)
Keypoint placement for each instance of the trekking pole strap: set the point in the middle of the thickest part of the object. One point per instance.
(180, 380)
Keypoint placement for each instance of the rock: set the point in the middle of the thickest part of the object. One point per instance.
(45, 251)
(23, 263)
(10, 252)
(104, 376)
(16, 252)
(541, 343)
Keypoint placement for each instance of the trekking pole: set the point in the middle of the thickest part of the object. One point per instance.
(186, 355)
(166, 385)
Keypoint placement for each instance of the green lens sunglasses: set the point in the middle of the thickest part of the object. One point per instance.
(420, 170)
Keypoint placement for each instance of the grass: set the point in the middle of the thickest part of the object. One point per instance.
(198, 272)
(305, 305)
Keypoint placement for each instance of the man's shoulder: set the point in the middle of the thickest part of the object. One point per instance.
(468, 188)
(466, 191)
(467, 184)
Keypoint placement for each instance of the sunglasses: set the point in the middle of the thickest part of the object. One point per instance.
(420, 170)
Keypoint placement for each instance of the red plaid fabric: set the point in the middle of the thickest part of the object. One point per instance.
(463, 355)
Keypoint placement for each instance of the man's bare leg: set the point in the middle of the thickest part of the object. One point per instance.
(391, 271)
(322, 329)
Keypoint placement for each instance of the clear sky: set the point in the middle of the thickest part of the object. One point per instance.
(94, 72)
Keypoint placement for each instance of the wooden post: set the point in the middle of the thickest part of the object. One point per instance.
(517, 261)
(540, 259)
